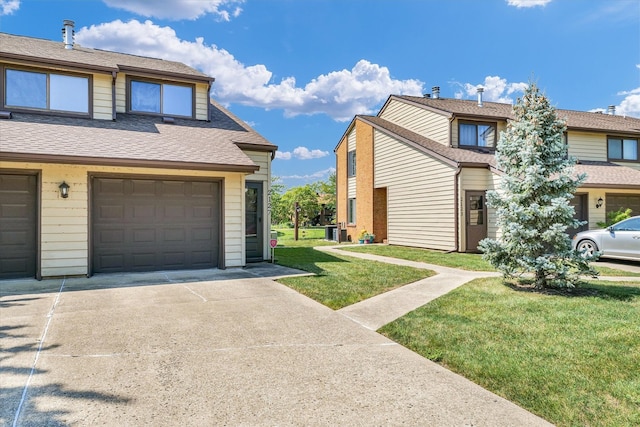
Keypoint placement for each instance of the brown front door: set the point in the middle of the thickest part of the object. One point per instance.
(580, 203)
(18, 225)
(475, 219)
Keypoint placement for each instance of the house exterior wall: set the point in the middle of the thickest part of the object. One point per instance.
(64, 237)
(365, 164)
(587, 146)
(426, 123)
(262, 159)
(420, 195)
(102, 106)
(341, 183)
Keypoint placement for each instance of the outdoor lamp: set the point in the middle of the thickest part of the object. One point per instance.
(599, 202)
(64, 190)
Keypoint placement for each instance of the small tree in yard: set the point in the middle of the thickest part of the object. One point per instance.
(532, 204)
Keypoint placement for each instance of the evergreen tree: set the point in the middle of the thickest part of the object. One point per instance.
(532, 204)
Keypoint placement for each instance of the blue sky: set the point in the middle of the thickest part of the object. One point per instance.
(299, 70)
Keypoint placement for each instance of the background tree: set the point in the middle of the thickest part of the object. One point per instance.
(328, 191)
(307, 198)
(279, 212)
(532, 205)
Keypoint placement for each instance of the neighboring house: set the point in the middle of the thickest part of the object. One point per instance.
(424, 165)
(159, 176)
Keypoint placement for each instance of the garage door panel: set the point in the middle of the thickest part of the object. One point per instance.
(616, 202)
(18, 225)
(171, 230)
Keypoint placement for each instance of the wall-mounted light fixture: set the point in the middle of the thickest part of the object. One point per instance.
(599, 202)
(64, 190)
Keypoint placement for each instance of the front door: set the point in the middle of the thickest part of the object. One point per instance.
(476, 219)
(580, 203)
(253, 221)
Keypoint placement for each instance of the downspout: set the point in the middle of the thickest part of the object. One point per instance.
(114, 76)
(451, 119)
(456, 210)
(209, 102)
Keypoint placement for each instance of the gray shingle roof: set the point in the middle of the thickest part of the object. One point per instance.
(494, 110)
(50, 52)
(611, 175)
(136, 140)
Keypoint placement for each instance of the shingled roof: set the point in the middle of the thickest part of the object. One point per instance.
(577, 120)
(133, 140)
(21, 48)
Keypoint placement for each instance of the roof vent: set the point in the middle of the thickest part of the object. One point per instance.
(5, 115)
(427, 95)
(168, 120)
(611, 110)
(435, 92)
(480, 90)
(68, 33)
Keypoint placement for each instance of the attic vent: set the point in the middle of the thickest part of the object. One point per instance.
(611, 110)
(68, 33)
(435, 92)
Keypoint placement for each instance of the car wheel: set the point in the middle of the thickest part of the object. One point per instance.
(587, 248)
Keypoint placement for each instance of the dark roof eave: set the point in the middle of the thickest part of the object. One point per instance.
(612, 186)
(160, 73)
(605, 131)
(48, 62)
(255, 147)
(102, 161)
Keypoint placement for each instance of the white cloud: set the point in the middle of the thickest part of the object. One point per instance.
(301, 153)
(630, 105)
(339, 94)
(283, 155)
(180, 9)
(496, 89)
(313, 176)
(527, 3)
(7, 7)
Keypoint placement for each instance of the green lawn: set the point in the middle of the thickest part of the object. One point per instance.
(572, 359)
(462, 261)
(308, 237)
(341, 280)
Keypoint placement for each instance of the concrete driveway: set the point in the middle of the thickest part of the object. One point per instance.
(214, 348)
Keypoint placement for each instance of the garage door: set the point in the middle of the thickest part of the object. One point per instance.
(623, 201)
(147, 225)
(18, 226)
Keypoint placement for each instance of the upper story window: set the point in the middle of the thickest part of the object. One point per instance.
(46, 91)
(622, 149)
(160, 98)
(477, 134)
(351, 163)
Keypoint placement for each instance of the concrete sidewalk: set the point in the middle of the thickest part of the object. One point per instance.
(375, 312)
(216, 348)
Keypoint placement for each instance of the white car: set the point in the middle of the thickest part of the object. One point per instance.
(620, 240)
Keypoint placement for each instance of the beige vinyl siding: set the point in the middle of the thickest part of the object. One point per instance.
(121, 93)
(202, 101)
(587, 146)
(351, 181)
(102, 105)
(263, 159)
(420, 209)
(418, 120)
(65, 229)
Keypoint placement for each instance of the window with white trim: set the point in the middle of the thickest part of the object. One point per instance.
(351, 211)
(351, 163)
